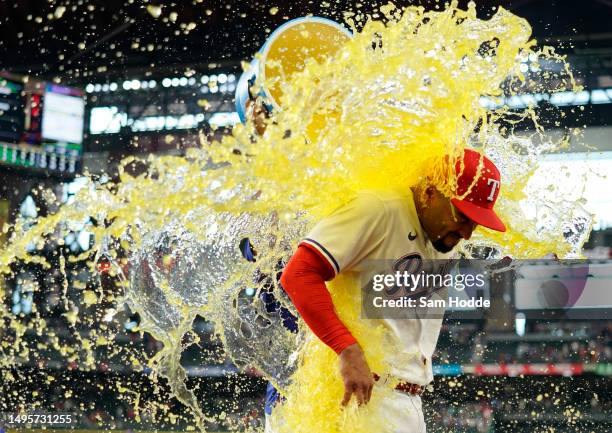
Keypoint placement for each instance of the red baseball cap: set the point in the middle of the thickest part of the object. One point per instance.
(478, 204)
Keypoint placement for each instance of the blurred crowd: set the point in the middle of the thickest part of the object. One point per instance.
(558, 342)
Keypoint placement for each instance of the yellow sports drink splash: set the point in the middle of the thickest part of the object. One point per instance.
(380, 110)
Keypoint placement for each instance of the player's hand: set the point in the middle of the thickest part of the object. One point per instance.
(356, 375)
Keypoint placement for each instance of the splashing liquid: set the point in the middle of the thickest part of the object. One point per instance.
(381, 114)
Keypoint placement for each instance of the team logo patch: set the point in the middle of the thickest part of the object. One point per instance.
(494, 188)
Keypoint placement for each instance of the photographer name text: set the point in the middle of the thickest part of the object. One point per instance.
(426, 302)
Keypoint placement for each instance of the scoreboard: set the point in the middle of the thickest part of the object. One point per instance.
(41, 126)
(12, 115)
(62, 115)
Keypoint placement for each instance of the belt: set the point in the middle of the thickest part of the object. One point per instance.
(408, 388)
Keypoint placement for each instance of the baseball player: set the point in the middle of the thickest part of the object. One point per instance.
(257, 112)
(373, 226)
(388, 225)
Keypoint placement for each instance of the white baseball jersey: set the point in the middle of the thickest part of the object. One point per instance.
(384, 226)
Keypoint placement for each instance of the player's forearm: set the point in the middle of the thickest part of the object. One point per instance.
(304, 281)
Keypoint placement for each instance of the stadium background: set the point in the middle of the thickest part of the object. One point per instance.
(159, 80)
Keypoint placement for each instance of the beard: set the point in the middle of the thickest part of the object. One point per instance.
(440, 246)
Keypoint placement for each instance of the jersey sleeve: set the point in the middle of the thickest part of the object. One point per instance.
(304, 281)
(351, 233)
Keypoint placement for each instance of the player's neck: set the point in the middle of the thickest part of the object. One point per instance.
(417, 197)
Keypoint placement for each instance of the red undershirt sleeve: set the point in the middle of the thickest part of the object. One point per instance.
(304, 281)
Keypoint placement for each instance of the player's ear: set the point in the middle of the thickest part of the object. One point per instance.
(430, 193)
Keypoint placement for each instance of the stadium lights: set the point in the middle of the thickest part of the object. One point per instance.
(108, 120)
(213, 81)
(223, 119)
(559, 99)
(159, 123)
(601, 96)
(221, 83)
